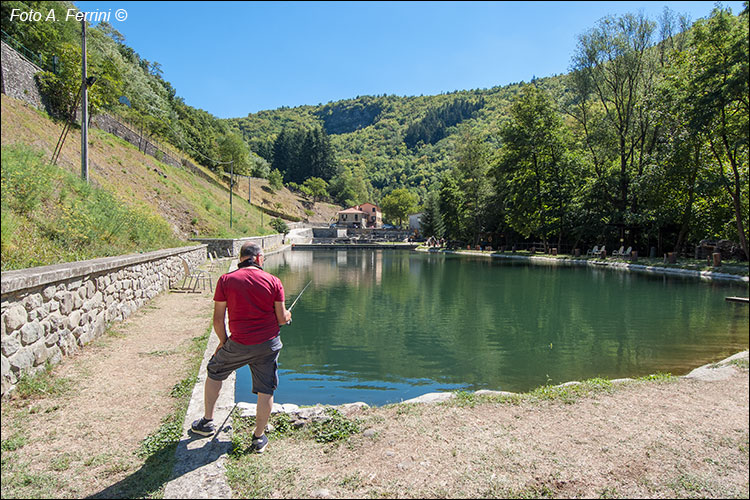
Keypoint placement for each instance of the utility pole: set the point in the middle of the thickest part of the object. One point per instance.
(231, 187)
(84, 108)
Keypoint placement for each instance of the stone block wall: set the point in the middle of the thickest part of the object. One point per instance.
(231, 247)
(52, 311)
(18, 77)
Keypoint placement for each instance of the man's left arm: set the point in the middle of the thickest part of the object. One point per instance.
(220, 309)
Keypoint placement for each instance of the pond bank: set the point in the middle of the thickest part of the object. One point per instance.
(613, 264)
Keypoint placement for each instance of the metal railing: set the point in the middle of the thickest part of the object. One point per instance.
(43, 61)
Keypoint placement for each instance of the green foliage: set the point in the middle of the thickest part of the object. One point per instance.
(232, 149)
(56, 217)
(25, 179)
(534, 175)
(303, 154)
(398, 205)
(317, 188)
(658, 377)
(41, 384)
(167, 435)
(275, 179)
(183, 388)
(432, 128)
(279, 226)
(336, 428)
(472, 169)
(14, 442)
(350, 186)
(431, 223)
(572, 392)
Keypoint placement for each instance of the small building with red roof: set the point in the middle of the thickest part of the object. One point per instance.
(364, 215)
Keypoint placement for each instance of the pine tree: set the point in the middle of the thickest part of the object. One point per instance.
(432, 223)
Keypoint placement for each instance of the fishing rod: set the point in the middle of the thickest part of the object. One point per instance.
(237, 403)
(295, 300)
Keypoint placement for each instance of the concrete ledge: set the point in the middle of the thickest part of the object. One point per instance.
(36, 276)
(346, 246)
(200, 470)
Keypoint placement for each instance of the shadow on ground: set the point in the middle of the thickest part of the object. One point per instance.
(160, 468)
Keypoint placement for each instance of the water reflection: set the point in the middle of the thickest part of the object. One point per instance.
(384, 326)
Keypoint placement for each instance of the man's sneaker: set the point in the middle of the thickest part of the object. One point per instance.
(259, 444)
(203, 427)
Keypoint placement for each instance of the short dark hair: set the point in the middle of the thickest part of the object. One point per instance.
(250, 249)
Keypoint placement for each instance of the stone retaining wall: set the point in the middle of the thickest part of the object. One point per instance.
(17, 77)
(52, 311)
(228, 247)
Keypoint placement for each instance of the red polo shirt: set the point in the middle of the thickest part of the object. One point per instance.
(250, 294)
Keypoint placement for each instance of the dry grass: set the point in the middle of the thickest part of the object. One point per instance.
(82, 440)
(191, 205)
(679, 438)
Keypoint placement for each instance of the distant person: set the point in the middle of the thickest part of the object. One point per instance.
(255, 301)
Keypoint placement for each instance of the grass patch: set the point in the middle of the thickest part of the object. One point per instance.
(15, 442)
(52, 216)
(41, 385)
(658, 377)
(247, 476)
(167, 435)
(742, 364)
(184, 388)
(19, 482)
(571, 393)
(337, 428)
(333, 428)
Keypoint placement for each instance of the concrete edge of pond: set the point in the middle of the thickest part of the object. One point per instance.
(621, 266)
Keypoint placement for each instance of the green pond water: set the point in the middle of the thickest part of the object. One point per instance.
(382, 326)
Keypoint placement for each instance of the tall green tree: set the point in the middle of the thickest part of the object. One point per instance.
(615, 71)
(317, 187)
(233, 149)
(398, 204)
(534, 172)
(716, 74)
(472, 169)
(431, 223)
(451, 201)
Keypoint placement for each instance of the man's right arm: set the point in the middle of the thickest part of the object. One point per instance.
(283, 316)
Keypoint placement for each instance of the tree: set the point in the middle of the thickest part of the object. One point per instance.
(350, 186)
(716, 74)
(317, 188)
(399, 204)
(275, 180)
(615, 69)
(431, 223)
(233, 149)
(279, 226)
(534, 172)
(451, 206)
(472, 168)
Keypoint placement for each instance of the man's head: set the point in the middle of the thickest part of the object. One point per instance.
(251, 251)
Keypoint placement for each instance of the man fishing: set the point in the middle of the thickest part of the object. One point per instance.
(255, 301)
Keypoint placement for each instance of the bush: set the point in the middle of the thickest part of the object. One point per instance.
(279, 226)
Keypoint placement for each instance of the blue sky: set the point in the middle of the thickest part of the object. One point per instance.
(235, 58)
